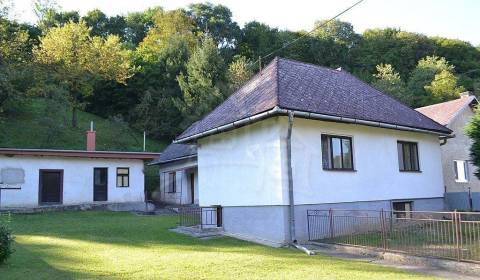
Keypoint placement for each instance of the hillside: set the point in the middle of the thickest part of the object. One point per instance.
(40, 123)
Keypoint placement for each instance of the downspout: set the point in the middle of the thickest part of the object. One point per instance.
(291, 202)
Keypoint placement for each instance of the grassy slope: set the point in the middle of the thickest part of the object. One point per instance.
(28, 129)
(91, 245)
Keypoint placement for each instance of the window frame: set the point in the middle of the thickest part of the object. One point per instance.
(405, 214)
(329, 138)
(412, 163)
(123, 176)
(172, 183)
(465, 178)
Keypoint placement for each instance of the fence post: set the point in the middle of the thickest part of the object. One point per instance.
(308, 225)
(457, 233)
(384, 234)
(330, 214)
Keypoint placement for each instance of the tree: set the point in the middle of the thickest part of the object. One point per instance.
(339, 31)
(167, 25)
(78, 60)
(389, 81)
(473, 131)
(239, 72)
(216, 20)
(203, 83)
(433, 81)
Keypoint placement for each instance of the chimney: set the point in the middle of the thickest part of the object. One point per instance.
(91, 138)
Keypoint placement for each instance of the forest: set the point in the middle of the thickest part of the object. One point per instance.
(161, 70)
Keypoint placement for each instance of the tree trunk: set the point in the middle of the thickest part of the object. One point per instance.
(74, 117)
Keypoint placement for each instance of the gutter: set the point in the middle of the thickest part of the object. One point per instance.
(291, 202)
(278, 111)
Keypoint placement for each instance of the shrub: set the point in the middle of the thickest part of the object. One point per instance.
(6, 240)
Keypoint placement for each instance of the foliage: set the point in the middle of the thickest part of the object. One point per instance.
(239, 72)
(473, 132)
(77, 59)
(6, 240)
(433, 81)
(93, 245)
(389, 81)
(202, 84)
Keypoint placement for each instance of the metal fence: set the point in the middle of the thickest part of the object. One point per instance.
(452, 235)
(200, 216)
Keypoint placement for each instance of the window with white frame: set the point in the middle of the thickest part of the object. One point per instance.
(461, 170)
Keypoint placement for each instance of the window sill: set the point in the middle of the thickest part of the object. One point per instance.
(171, 192)
(410, 171)
(462, 182)
(340, 170)
(123, 186)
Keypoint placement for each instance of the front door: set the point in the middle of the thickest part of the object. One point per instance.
(51, 187)
(192, 187)
(100, 184)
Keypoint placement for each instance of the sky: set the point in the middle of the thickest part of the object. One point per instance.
(457, 19)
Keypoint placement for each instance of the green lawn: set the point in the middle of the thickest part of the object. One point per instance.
(87, 245)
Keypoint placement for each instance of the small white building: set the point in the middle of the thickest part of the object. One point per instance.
(178, 175)
(34, 177)
(298, 137)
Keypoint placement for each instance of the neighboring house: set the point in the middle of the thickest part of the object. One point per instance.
(462, 187)
(350, 147)
(178, 175)
(38, 177)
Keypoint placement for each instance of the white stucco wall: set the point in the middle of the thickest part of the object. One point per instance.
(242, 167)
(375, 157)
(77, 179)
(247, 166)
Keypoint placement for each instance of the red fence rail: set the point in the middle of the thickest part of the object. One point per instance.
(451, 235)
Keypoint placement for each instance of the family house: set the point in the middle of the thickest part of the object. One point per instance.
(462, 187)
(31, 178)
(299, 136)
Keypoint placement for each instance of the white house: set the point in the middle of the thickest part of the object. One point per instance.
(299, 136)
(33, 177)
(462, 187)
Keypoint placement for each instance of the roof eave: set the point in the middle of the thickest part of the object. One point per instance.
(308, 115)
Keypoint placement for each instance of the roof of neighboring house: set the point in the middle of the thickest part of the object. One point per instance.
(78, 153)
(445, 112)
(176, 152)
(292, 85)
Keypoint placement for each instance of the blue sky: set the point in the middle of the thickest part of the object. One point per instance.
(459, 19)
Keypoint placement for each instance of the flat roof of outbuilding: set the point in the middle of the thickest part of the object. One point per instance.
(78, 153)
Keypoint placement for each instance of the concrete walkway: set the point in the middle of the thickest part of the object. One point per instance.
(418, 268)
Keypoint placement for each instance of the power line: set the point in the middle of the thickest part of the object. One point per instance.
(286, 45)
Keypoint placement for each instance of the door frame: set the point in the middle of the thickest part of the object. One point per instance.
(40, 185)
(106, 183)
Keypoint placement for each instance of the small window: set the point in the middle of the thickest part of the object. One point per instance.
(172, 182)
(461, 171)
(123, 174)
(408, 156)
(402, 209)
(337, 152)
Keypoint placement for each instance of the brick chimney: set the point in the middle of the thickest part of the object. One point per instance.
(91, 138)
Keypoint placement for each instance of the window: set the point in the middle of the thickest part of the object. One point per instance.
(172, 182)
(337, 152)
(123, 174)
(461, 170)
(402, 209)
(408, 156)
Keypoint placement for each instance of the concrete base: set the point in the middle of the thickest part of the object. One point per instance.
(120, 207)
(270, 224)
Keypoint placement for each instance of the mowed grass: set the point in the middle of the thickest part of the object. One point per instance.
(91, 245)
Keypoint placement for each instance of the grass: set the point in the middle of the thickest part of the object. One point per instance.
(91, 245)
(40, 123)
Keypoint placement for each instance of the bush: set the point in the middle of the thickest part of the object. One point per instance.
(6, 240)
